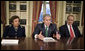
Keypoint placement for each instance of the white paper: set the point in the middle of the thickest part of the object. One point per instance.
(49, 39)
(9, 42)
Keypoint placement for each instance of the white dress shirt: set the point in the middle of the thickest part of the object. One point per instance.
(69, 29)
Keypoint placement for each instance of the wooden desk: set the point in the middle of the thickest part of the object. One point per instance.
(36, 44)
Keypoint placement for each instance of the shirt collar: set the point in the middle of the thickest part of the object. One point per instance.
(45, 25)
(69, 25)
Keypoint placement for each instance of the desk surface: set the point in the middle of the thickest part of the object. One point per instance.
(36, 44)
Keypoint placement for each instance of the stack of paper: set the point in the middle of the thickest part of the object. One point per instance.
(9, 42)
(49, 39)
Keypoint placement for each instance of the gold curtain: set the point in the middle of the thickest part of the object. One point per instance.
(83, 18)
(3, 13)
(36, 13)
(53, 9)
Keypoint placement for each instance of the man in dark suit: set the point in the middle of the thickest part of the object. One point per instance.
(45, 29)
(69, 30)
(14, 29)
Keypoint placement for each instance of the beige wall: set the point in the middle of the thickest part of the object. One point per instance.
(60, 13)
(29, 21)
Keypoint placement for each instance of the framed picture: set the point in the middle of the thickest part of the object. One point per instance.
(68, 1)
(76, 23)
(23, 21)
(22, 1)
(12, 7)
(68, 9)
(22, 7)
(76, 9)
(12, 1)
(77, 1)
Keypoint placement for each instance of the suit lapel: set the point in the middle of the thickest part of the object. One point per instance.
(12, 31)
(74, 30)
(67, 31)
(19, 28)
(13, 28)
(43, 29)
(49, 30)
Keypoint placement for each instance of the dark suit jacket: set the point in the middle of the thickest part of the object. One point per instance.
(65, 32)
(10, 31)
(40, 27)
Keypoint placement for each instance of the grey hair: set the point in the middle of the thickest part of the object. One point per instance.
(69, 16)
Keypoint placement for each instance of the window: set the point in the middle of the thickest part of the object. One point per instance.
(44, 10)
(48, 9)
(41, 15)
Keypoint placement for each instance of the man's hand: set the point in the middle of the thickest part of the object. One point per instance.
(58, 36)
(40, 36)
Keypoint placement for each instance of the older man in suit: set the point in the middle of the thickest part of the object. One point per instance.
(45, 29)
(69, 29)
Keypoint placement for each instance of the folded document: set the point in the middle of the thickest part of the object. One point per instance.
(9, 42)
(49, 39)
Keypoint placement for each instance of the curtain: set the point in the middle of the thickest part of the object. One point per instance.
(36, 13)
(83, 15)
(83, 18)
(3, 13)
(53, 9)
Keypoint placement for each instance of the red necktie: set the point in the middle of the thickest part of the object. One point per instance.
(70, 40)
(71, 32)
